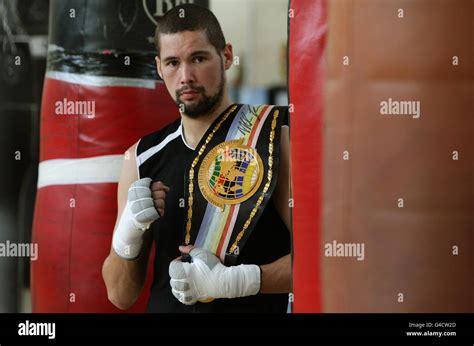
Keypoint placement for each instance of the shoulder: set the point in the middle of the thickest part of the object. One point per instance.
(283, 111)
(165, 134)
(284, 114)
(266, 106)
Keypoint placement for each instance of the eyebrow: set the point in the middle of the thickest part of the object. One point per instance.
(200, 52)
(195, 53)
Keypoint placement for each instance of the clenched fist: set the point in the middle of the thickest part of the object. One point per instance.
(145, 204)
(158, 193)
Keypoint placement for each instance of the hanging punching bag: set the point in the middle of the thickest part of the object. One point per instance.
(398, 157)
(307, 33)
(396, 227)
(101, 94)
(23, 30)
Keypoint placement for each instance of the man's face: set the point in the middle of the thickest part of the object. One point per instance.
(192, 70)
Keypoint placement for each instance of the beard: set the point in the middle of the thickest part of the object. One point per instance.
(206, 104)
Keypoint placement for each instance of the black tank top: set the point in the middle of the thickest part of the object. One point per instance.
(164, 156)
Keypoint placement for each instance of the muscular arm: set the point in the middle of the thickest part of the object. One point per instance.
(276, 276)
(125, 279)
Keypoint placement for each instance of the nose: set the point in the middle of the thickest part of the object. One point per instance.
(187, 74)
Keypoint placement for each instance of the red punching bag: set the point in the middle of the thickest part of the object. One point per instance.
(101, 94)
(397, 164)
(307, 34)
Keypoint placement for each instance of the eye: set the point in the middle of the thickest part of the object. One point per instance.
(172, 63)
(198, 59)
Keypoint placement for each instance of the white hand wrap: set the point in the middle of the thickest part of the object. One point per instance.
(137, 216)
(206, 277)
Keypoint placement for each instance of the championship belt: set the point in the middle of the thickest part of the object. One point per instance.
(232, 178)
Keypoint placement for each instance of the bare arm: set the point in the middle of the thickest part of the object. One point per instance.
(125, 279)
(276, 276)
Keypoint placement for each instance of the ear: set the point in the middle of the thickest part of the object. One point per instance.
(158, 66)
(228, 56)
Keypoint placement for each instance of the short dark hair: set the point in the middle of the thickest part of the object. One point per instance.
(195, 18)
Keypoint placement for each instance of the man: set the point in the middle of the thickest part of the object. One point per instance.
(217, 178)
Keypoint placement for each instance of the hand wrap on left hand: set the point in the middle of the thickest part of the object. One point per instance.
(206, 277)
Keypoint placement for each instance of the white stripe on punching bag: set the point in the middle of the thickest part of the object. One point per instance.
(100, 169)
(101, 81)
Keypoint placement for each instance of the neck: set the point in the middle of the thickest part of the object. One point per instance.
(195, 128)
